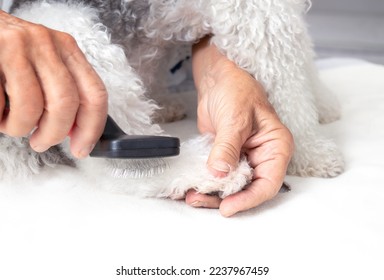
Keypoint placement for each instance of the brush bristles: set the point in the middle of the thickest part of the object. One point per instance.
(137, 168)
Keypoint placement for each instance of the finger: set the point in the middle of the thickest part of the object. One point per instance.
(24, 97)
(268, 176)
(195, 199)
(60, 93)
(93, 98)
(225, 152)
(258, 192)
(269, 143)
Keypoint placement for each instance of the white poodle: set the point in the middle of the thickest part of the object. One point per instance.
(128, 42)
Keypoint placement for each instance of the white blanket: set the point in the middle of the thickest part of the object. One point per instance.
(58, 226)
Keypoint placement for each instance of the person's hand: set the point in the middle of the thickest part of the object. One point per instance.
(233, 106)
(53, 91)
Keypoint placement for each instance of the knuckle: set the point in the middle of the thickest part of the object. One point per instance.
(31, 112)
(19, 130)
(99, 97)
(19, 29)
(22, 121)
(54, 139)
(17, 36)
(50, 136)
(39, 31)
(26, 39)
(95, 96)
(44, 41)
(63, 104)
(228, 150)
(68, 42)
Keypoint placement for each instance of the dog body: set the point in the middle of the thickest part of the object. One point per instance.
(128, 42)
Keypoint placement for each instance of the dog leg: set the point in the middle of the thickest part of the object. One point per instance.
(327, 104)
(270, 41)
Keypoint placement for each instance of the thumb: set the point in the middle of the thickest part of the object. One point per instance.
(225, 153)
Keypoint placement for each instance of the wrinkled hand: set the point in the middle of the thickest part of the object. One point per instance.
(51, 88)
(233, 106)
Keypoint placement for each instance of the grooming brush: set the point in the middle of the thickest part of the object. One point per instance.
(131, 156)
(134, 156)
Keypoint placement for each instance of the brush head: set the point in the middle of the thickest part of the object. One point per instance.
(137, 156)
(137, 168)
(134, 156)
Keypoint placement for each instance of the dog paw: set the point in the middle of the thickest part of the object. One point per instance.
(234, 182)
(321, 159)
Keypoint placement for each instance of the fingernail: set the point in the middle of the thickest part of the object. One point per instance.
(198, 204)
(227, 212)
(40, 148)
(220, 166)
(84, 152)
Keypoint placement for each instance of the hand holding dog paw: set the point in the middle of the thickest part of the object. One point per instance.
(234, 107)
(52, 89)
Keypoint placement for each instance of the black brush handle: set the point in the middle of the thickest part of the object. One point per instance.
(114, 143)
(111, 129)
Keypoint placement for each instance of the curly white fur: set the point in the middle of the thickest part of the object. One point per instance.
(128, 42)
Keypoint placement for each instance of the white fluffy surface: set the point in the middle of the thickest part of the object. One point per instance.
(59, 226)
